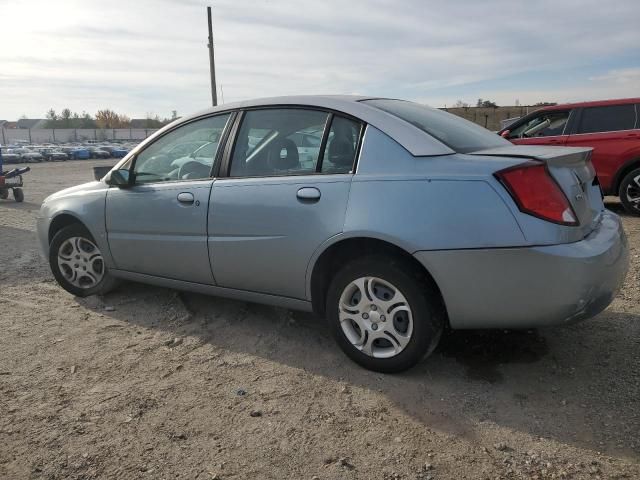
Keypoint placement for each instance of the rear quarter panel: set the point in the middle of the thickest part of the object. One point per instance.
(428, 203)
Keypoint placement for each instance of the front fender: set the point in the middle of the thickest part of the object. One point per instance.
(86, 206)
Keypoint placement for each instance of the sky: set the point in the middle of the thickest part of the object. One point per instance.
(149, 57)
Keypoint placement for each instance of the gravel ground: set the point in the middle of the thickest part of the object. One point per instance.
(151, 383)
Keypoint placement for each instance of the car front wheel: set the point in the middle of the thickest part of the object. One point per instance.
(630, 192)
(77, 262)
(384, 315)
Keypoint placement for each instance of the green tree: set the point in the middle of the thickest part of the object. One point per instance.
(87, 121)
(52, 118)
(65, 118)
(486, 103)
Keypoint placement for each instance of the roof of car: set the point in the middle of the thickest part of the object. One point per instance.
(594, 103)
(410, 137)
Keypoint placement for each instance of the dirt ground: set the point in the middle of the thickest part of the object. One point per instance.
(151, 383)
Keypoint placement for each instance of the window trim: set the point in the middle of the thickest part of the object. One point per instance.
(216, 161)
(323, 142)
(225, 168)
(578, 124)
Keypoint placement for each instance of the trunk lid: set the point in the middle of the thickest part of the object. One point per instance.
(572, 169)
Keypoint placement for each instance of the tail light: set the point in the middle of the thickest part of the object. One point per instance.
(536, 193)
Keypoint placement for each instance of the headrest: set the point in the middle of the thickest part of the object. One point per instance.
(341, 152)
(290, 160)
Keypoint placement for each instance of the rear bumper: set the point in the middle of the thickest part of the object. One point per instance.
(532, 286)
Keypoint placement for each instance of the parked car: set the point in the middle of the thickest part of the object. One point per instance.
(80, 153)
(99, 153)
(610, 127)
(408, 220)
(52, 154)
(31, 157)
(9, 157)
(57, 156)
(107, 148)
(119, 152)
(21, 150)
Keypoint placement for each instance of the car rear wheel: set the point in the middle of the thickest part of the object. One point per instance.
(630, 192)
(383, 315)
(77, 262)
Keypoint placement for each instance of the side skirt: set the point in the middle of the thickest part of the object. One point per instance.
(243, 295)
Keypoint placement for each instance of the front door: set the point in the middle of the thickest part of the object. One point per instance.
(545, 128)
(281, 200)
(158, 224)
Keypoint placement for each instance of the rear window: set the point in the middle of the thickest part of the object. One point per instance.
(457, 133)
(608, 119)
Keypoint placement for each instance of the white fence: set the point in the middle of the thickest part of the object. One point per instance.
(61, 135)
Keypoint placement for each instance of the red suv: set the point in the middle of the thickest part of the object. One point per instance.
(610, 127)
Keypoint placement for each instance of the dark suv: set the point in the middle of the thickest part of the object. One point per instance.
(610, 127)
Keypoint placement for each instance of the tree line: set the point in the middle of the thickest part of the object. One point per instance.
(490, 104)
(105, 118)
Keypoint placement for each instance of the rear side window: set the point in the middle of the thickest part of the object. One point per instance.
(457, 133)
(278, 141)
(607, 119)
(342, 145)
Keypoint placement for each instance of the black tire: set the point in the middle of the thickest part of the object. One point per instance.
(107, 283)
(630, 186)
(18, 195)
(4, 194)
(421, 294)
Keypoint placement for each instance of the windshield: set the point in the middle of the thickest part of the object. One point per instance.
(457, 133)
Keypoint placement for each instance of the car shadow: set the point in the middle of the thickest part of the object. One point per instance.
(566, 383)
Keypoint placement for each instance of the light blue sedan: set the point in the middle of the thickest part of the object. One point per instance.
(403, 221)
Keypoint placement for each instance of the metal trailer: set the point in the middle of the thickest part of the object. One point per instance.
(11, 180)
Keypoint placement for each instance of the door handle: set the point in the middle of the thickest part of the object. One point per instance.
(308, 194)
(185, 197)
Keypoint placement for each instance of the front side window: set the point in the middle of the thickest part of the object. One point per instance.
(282, 141)
(457, 133)
(607, 119)
(186, 153)
(545, 124)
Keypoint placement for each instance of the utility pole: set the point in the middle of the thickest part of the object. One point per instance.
(212, 64)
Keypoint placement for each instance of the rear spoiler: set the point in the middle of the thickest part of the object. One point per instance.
(552, 156)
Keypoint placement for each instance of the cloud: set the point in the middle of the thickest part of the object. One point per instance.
(151, 56)
(622, 76)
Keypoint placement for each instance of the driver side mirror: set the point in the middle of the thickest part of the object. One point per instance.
(118, 178)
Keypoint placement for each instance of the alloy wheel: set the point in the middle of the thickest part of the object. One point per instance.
(633, 193)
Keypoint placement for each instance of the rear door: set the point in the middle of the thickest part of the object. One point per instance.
(282, 199)
(547, 127)
(612, 132)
